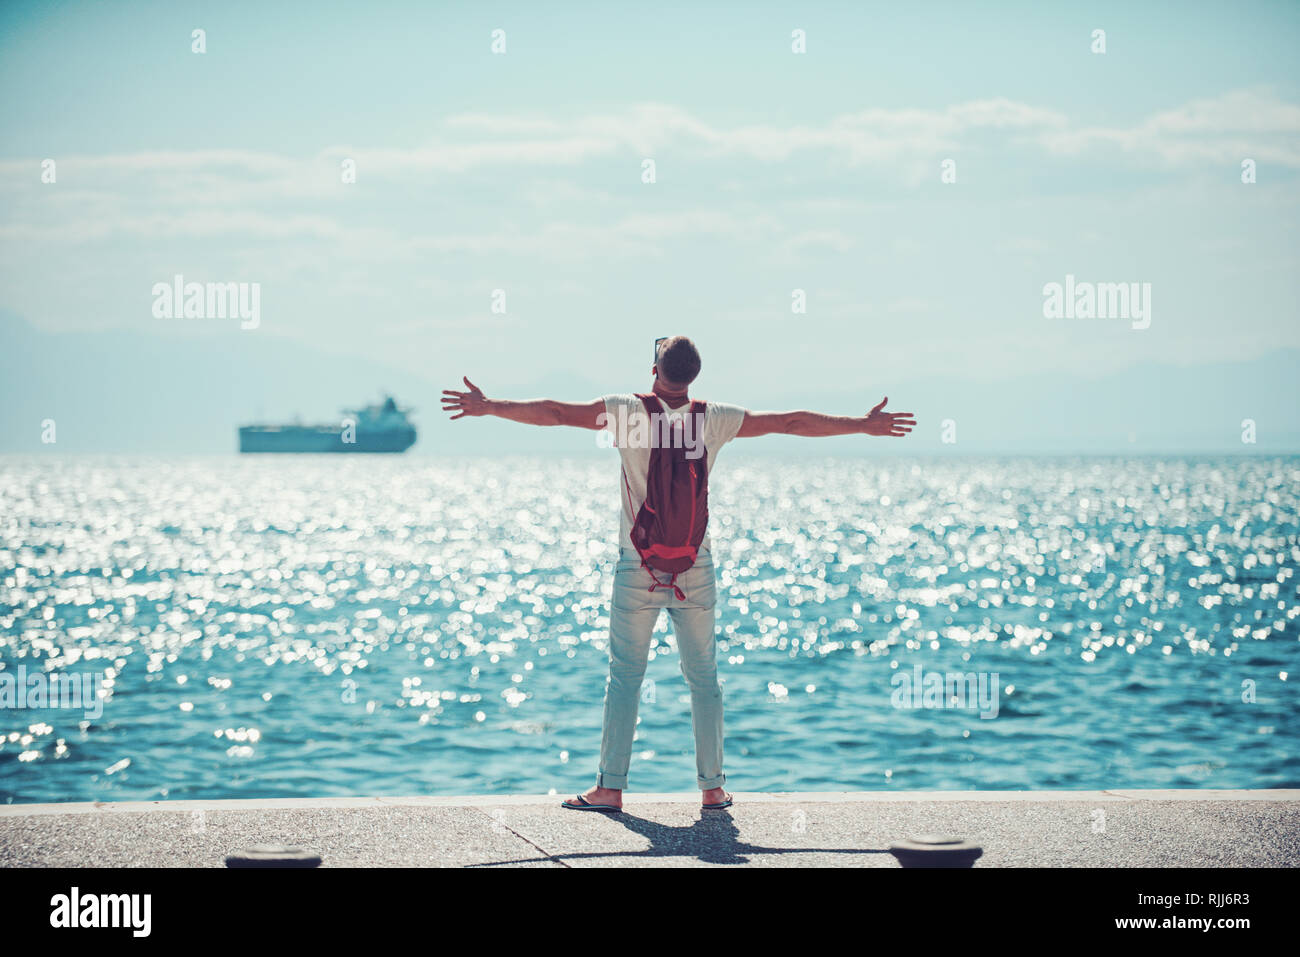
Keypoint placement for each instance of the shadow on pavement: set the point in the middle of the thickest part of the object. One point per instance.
(712, 839)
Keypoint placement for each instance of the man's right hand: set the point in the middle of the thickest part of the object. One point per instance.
(880, 422)
(803, 422)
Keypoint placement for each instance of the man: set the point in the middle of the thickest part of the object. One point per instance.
(634, 607)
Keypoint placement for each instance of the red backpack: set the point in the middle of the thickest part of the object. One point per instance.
(671, 523)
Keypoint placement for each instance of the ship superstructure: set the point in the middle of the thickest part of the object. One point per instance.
(384, 427)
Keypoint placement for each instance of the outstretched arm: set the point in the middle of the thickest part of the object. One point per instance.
(582, 415)
(875, 422)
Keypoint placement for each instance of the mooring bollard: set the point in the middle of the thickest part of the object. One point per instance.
(272, 855)
(928, 850)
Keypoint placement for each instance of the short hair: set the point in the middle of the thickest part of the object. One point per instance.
(679, 361)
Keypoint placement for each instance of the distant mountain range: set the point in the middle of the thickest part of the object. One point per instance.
(178, 392)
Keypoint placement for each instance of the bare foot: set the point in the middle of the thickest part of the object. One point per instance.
(715, 796)
(612, 797)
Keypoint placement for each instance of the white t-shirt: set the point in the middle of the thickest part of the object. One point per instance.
(626, 420)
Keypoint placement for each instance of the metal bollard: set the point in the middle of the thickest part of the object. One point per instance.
(272, 855)
(928, 850)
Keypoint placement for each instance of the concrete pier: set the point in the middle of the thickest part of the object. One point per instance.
(1122, 828)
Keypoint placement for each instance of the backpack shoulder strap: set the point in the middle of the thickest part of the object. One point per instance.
(650, 401)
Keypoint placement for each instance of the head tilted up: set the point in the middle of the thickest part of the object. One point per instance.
(677, 364)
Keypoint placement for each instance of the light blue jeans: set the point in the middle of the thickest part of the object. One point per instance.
(634, 610)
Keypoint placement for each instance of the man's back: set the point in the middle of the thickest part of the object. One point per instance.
(632, 432)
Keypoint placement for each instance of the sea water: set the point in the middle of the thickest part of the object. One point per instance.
(288, 626)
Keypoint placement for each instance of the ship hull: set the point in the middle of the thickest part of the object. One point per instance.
(308, 439)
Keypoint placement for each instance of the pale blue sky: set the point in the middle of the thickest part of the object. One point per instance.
(775, 171)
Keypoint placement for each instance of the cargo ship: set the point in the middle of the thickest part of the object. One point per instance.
(375, 428)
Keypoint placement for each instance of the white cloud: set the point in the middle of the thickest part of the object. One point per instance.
(1223, 129)
(1252, 120)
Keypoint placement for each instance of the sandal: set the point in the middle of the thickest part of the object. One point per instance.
(726, 803)
(580, 803)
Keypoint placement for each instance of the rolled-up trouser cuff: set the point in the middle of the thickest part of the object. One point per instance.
(713, 782)
(616, 781)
